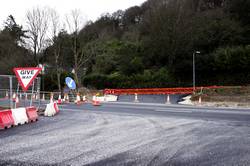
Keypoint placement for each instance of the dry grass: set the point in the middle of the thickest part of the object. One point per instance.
(239, 94)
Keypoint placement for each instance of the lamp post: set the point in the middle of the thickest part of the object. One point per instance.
(195, 52)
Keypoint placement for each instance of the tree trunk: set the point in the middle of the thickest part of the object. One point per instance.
(58, 73)
(77, 79)
(59, 80)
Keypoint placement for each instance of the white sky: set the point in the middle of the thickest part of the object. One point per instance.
(91, 8)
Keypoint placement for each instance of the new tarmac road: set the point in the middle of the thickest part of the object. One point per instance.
(128, 133)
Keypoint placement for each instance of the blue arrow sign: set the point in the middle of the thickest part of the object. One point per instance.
(70, 83)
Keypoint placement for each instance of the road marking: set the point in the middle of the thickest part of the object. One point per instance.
(74, 109)
(175, 111)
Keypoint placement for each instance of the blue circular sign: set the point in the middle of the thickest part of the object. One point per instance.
(70, 83)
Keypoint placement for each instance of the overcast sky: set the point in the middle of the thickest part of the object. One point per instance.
(91, 8)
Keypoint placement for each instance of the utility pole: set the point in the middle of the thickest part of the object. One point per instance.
(195, 52)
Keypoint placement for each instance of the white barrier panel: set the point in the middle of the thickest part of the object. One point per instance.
(99, 98)
(186, 101)
(110, 98)
(106, 98)
(19, 116)
(50, 110)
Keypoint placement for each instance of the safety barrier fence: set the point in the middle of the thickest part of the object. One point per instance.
(35, 96)
(164, 91)
(22, 99)
(18, 116)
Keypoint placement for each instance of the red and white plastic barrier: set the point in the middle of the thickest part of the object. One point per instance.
(51, 109)
(6, 119)
(32, 114)
(19, 115)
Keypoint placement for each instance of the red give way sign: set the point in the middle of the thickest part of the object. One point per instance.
(26, 75)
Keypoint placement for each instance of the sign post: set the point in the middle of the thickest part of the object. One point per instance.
(70, 83)
(25, 77)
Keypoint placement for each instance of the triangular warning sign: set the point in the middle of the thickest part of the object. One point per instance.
(26, 76)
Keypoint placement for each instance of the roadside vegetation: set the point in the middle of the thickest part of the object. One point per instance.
(143, 46)
(233, 96)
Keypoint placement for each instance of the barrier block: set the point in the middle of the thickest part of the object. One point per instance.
(110, 98)
(32, 114)
(19, 115)
(6, 119)
(50, 110)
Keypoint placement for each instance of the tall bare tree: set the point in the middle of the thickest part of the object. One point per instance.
(55, 28)
(37, 24)
(75, 22)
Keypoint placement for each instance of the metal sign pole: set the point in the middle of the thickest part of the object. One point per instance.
(25, 99)
(17, 90)
(32, 94)
(38, 90)
(11, 93)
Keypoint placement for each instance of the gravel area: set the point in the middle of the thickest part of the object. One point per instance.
(83, 137)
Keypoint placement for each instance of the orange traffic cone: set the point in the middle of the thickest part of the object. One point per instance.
(14, 97)
(84, 99)
(59, 101)
(66, 98)
(7, 95)
(17, 101)
(51, 98)
(168, 100)
(200, 100)
(37, 96)
(78, 99)
(136, 98)
(43, 99)
(34, 97)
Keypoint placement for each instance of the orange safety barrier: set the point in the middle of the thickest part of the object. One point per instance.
(32, 114)
(6, 119)
(187, 90)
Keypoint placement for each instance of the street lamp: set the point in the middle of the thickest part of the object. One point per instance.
(195, 52)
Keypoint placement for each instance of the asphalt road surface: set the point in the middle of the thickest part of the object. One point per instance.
(131, 134)
(151, 98)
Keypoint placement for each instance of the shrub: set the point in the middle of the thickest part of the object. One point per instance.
(148, 79)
